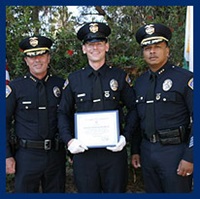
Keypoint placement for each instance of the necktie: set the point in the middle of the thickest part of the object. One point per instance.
(150, 114)
(43, 112)
(97, 92)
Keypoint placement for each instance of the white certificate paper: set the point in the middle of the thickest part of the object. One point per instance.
(97, 129)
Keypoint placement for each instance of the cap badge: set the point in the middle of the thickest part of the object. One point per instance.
(94, 27)
(56, 91)
(167, 84)
(33, 41)
(149, 29)
(113, 84)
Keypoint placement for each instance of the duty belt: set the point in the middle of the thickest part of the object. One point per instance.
(154, 138)
(45, 144)
(168, 136)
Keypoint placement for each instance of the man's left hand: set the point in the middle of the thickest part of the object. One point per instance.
(185, 168)
(119, 146)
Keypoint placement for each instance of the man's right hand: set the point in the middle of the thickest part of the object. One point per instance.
(136, 161)
(10, 165)
(75, 146)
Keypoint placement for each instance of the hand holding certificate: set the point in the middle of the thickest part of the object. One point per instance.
(119, 146)
(97, 129)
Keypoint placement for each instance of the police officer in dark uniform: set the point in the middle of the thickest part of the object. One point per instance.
(102, 169)
(32, 102)
(164, 101)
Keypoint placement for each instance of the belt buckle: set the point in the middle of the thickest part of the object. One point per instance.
(153, 138)
(47, 144)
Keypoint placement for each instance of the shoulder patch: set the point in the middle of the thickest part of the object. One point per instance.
(66, 83)
(191, 83)
(128, 80)
(8, 90)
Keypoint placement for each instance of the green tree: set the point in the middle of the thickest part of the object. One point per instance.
(58, 23)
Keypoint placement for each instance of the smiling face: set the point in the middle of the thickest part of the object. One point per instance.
(96, 52)
(156, 55)
(38, 65)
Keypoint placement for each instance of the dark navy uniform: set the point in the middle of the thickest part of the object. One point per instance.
(40, 158)
(103, 168)
(34, 161)
(172, 140)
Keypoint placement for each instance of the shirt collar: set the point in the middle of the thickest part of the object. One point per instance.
(36, 80)
(162, 70)
(102, 69)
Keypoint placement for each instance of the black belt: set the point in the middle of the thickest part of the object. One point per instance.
(154, 138)
(168, 136)
(45, 145)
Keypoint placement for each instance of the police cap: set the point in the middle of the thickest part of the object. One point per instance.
(35, 45)
(93, 32)
(152, 34)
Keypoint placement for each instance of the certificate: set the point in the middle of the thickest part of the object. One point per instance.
(97, 129)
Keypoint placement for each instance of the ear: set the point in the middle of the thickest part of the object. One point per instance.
(107, 47)
(83, 49)
(168, 52)
(25, 59)
(49, 58)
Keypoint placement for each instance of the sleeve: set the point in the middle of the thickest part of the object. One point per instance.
(135, 142)
(66, 112)
(10, 109)
(188, 155)
(131, 119)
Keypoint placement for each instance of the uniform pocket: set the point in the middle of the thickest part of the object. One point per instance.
(27, 105)
(169, 97)
(141, 106)
(82, 97)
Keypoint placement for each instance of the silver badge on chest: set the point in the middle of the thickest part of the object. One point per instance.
(113, 84)
(56, 91)
(167, 84)
(107, 94)
(158, 95)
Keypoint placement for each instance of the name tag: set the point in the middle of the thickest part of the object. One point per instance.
(81, 95)
(27, 102)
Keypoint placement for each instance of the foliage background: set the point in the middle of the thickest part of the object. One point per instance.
(59, 23)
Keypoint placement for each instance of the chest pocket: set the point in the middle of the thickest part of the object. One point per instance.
(111, 96)
(82, 98)
(27, 111)
(27, 105)
(141, 106)
(170, 97)
(140, 100)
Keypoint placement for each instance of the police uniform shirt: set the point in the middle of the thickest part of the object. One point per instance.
(77, 97)
(173, 98)
(22, 102)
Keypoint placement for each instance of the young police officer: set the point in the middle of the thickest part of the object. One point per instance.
(164, 98)
(102, 169)
(32, 101)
